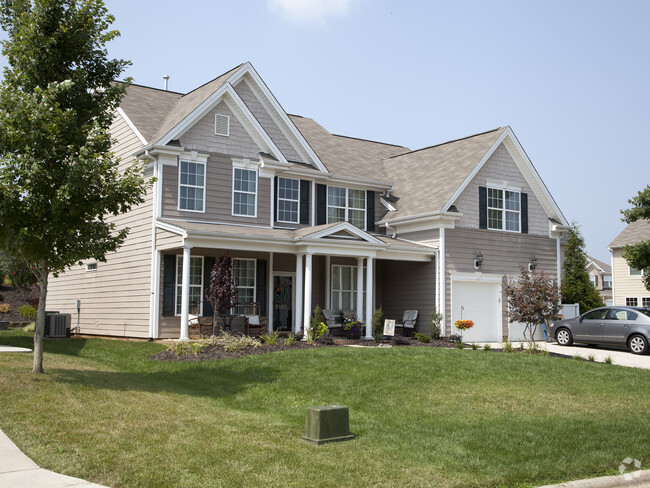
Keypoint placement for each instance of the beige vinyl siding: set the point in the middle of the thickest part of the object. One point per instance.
(201, 136)
(115, 298)
(430, 236)
(624, 284)
(407, 286)
(218, 197)
(503, 253)
(500, 167)
(167, 240)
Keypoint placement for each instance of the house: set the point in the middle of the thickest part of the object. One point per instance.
(311, 218)
(601, 276)
(628, 288)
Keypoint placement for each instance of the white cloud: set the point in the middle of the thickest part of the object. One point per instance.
(311, 11)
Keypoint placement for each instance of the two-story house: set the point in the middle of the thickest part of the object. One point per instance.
(628, 287)
(311, 218)
(600, 275)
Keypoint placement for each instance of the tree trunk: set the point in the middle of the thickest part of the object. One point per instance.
(39, 329)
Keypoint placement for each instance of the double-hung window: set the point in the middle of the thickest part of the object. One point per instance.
(504, 209)
(244, 274)
(631, 301)
(191, 186)
(196, 281)
(346, 205)
(344, 288)
(244, 198)
(635, 271)
(288, 200)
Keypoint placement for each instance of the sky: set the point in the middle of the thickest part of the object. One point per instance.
(571, 77)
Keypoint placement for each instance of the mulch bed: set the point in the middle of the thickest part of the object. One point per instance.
(217, 352)
(16, 298)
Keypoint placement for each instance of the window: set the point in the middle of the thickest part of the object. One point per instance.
(504, 210)
(346, 205)
(288, 200)
(622, 315)
(607, 281)
(191, 186)
(599, 314)
(632, 301)
(594, 279)
(645, 302)
(244, 200)
(91, 267)
(244, 273)
(196, 282)
(344, 288)
(635, 271)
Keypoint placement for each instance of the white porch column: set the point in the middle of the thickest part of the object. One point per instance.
(297, 316)
(185, 297)
(269, 306)
(328, 275)
(370, 292)
(359, 305)
(308, 285)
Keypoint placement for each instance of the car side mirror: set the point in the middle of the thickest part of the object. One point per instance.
(580, 319)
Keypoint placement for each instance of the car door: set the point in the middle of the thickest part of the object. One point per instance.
(590, 328)
(617, 325)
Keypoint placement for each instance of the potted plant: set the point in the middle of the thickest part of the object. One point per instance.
(352, 328)
(462, 325)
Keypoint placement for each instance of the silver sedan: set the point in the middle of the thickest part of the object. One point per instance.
(616, 326)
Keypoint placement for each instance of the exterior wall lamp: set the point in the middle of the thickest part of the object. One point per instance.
(533, 264)
(478, 261)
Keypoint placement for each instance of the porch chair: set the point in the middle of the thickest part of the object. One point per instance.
(331, 322)
(408, 321)
(197, 325)
(253, 320)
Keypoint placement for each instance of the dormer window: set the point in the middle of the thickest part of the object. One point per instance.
(504, 210)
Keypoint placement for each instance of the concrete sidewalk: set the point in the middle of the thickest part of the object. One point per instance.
(18, 471)
(13, 349)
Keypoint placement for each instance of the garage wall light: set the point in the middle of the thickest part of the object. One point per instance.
(533, 264)
(478, 261)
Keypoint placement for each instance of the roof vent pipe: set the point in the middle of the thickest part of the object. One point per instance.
(166, 78)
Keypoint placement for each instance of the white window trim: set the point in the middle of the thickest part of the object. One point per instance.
(254, 287)
(91, 267)
(297, 221)
(353, 291)
(179, 283)
(204, 187)
(253, 168)
(629, 271)
(227, 134)
(503, 210)
(632, 298)
(347, 207)
(647, 299)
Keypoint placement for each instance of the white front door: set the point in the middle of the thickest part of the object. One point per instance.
(479, 302)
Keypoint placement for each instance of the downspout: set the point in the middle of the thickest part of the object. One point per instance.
(443, 283)
(559, 262)
(154, 255)
(391, 229)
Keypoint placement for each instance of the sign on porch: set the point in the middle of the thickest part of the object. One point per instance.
(389, 327)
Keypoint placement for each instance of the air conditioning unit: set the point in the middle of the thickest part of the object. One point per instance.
(57, 325)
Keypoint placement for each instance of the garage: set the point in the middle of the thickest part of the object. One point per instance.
(480, 302)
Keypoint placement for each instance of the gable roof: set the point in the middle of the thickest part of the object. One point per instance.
(426, 179)
(347, 156)
(633, 234)
(605, 268)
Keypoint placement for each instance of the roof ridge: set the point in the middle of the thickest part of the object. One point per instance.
(148, 87)
(368, 140)
(215, 78)
(445, 143)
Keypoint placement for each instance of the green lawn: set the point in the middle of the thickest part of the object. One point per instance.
(423, 417)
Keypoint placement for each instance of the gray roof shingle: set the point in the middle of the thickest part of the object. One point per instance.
(633, 234)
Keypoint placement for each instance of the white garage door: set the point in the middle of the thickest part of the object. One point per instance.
(479, 302)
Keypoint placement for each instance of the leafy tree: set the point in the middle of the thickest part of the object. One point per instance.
(222, 292)
(577, 287)
(58, 179)
(531, 298)
(22, 276)
(638, 255)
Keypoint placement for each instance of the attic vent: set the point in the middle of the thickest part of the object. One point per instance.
(221, 125)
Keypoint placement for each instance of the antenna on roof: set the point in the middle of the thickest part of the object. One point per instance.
(166, 78)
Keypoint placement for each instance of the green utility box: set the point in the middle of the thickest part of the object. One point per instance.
(328, 423)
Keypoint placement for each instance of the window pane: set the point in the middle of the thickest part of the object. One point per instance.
(495, 219)
(335, 215)
(512, 221)
(288, 188)
(346, 278)
(357, 199)
(495, 198)
(358, 218)
(336, 196)
(512, 200)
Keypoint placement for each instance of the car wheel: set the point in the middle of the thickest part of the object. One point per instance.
(564, 337)
(638, 344)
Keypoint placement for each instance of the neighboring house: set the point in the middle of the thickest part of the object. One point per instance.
(628, 288)
(601, 276)
(311, 218)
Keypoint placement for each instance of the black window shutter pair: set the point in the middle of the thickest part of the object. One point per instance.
(303, 206)
(482, 210)
(169, 283)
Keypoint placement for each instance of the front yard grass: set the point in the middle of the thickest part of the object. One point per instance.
(422, 417)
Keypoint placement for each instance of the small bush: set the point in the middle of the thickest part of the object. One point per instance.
(27, 311)
(233, 342)
(608, 360)
(378, 324)
(487, 347)
(401, 340)
(181, 348)
(507, 347)
(317, 326)
(290, 340)
(270, 339)
(436, 327)
(460, 345)
(421, 337)
(592, 358)
(30, 327)
(474, 346)
(4, 307)
(577, 357)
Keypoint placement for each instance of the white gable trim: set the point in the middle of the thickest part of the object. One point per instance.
(345, 227)
(519, 156)
(301, 145)
(131, 125)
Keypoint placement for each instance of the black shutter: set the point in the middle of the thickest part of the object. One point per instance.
(260, 286)
(482, 207)
(169, 282)
(370, 211)
(208, 264)
(524, 213)
(277, 196)
(304, 201)
(321, 204)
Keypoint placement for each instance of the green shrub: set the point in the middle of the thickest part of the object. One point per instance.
(508, 347)
(591, 358)
(4, 307)
(28, 312)
(460, 345)
(317, 325)
(233, 342)
(474, 346)
(30, 327)
(290, 340)
(270, 339)
(608, 360)
(436, 327)
(486, 347)
(378, 324)
(421, 337)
